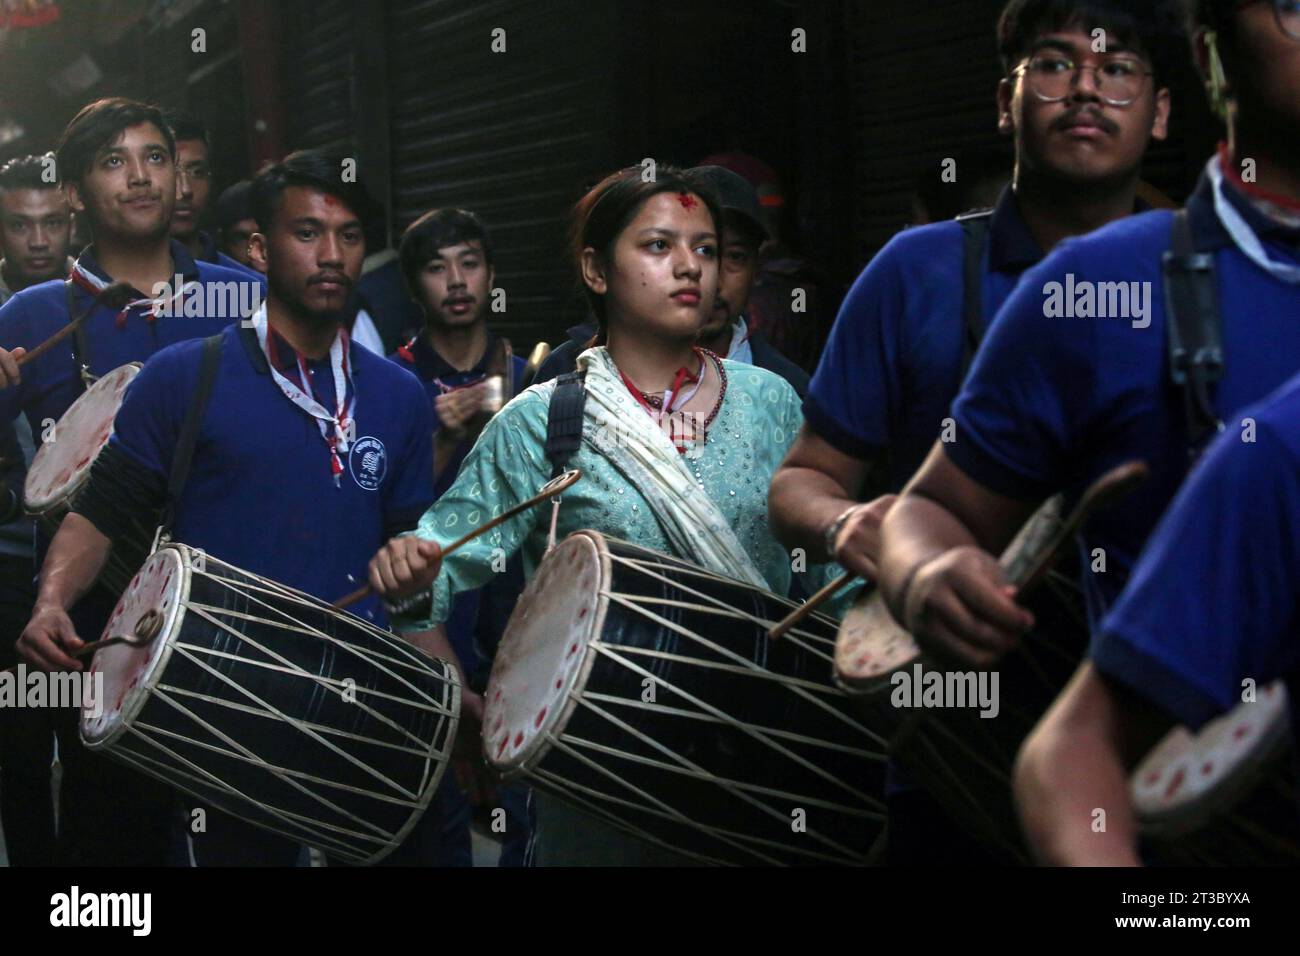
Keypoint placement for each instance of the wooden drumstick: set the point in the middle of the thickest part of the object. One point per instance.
(115, 294)
(1114, 484)
(810, 605)
(549, 490)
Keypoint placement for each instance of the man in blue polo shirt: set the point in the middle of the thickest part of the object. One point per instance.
(904, 336)
(447, 263)
(311, 451)
(1077, 376)
(1211, 609)
(116, 161)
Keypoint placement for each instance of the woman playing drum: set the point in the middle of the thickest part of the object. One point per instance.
(677, 452)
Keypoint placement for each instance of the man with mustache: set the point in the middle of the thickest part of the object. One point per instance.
(311, 451)
(446, 260)
(1082, 113)
(116, 163)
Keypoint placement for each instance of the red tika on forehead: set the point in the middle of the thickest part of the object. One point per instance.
(331, 200)
(688, 201)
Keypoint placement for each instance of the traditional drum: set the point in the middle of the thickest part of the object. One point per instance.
(61, 467)
(965, 759)
(645, 691)
(272, 706)
(1226, 796)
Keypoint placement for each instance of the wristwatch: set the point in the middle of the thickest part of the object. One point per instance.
(834, 528)
(419, 604)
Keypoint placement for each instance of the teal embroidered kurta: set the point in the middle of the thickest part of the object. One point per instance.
(759, 419)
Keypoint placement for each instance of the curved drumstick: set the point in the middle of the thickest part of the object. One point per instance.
(1116, 483)
(549, 490)
(146, 630)
(116, 294)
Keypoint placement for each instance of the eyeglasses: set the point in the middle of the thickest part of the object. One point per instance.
(1051, 77)
(1287, 13)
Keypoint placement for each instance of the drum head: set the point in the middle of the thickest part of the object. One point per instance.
(60, 466)
(544, 652)
(1187, 778)
(871, 645)
(130, 672)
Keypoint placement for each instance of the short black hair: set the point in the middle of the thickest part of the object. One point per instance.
(319, 169)
(98, 125)
(234, 204)
(185, 126)
(439, 229)
(28, 172)
(1154, 29)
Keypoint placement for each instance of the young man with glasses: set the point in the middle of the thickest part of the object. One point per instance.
(1211, 607)
(1083, 94)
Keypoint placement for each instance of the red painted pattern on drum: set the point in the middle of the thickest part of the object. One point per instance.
(1176, 782)
(1207, 768)
(541, 715)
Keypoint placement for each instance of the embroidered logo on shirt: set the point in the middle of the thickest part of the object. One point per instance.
(368, 463)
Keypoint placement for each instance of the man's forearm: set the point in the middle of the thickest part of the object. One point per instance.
(76, 556)
(1073, 795)
(435, 643)
(801, 504)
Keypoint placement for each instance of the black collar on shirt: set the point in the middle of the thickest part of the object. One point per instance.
(182, 261)
(1208, 229)
(1012, 247)
(430, 365)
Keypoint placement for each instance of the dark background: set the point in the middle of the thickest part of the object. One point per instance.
(886, 89)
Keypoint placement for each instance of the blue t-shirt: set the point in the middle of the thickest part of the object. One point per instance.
(1052, 402)
(260, 493)
(893, 364)
(1214, 599)
(52, 382)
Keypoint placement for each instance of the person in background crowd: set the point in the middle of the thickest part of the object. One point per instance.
(448, 264)
(729, 332)
(116, 162)
(35, 231)
(905, 333)
(235, 223)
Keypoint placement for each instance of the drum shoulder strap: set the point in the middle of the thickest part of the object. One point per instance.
(80, 343)
(564, 421)
(975, 236)
(189, 435)
(1194, 330)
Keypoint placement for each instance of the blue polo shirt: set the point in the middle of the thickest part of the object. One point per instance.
(1054, 402)
(260, 493)
(216, 257)
(439, 377)
(1214, 599)
(893, 363)
(53, 382)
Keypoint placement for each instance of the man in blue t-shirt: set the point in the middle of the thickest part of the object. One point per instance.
(1076, 373)
(311, 452)
(1211, 612)
(1081, 121)
(116, 162)
(447, 264)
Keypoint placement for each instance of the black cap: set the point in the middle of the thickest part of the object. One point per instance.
(737, 194)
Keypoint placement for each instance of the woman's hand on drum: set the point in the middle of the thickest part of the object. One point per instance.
(405, 566)
(9, 374)
(49, 640)
(857, 546)
(960, 606)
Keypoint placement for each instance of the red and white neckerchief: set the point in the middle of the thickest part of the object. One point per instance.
(1243, 236)
(673, 400)
(86, 280)
(336, 427)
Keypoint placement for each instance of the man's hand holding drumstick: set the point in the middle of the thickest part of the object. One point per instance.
(9, 374)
